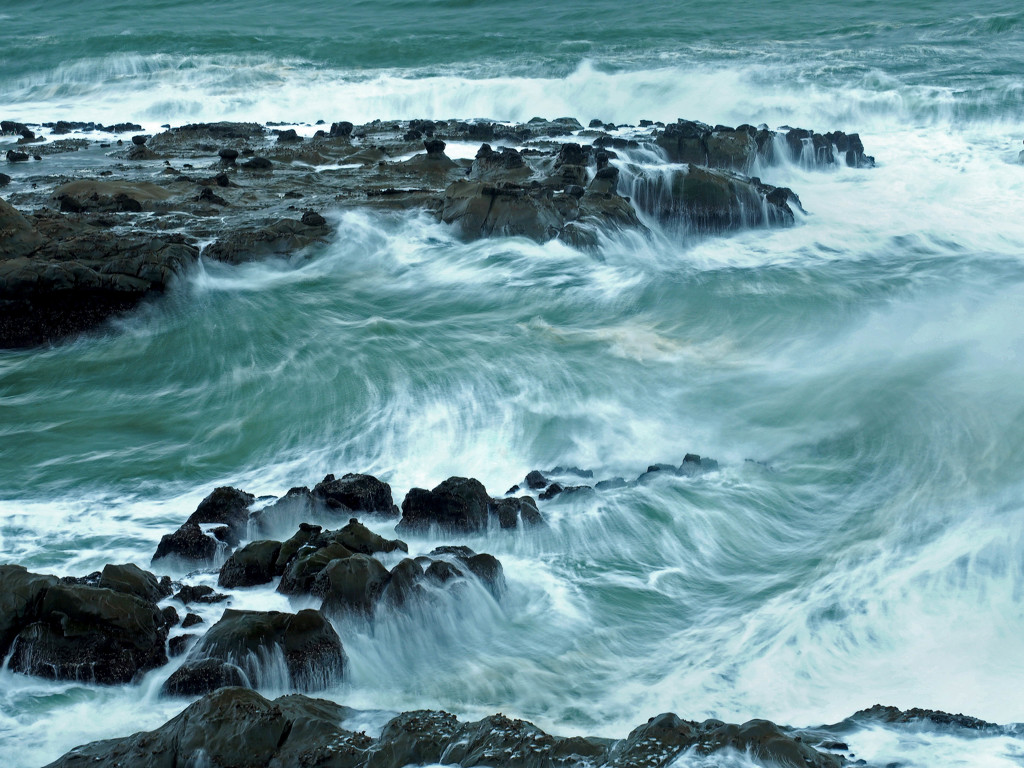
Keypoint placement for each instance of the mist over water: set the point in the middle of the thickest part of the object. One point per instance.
(856, 375)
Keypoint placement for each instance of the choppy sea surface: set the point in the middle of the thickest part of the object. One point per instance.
(858, 376)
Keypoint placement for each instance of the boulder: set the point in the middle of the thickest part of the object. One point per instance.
(253, 564)
(459, 505)
(265, 645)
(132, 580)
(352, 584)
(358, 493)
(228, 509)
(91, 634)
(18, 238)
(21, 596)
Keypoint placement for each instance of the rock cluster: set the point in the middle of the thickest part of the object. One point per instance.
(239, 727)
(96, 245)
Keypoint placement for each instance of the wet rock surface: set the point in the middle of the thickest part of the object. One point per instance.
(70, 631)
(300, 651)
(92, 230)
(238, 727)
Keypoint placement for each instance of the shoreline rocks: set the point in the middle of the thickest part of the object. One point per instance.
(98, 237)
(238, 726)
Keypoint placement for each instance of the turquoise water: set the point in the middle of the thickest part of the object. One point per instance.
(868, 361)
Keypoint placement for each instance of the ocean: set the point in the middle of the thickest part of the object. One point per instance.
(857, 376)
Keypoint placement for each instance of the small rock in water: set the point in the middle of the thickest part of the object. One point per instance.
(13, 156)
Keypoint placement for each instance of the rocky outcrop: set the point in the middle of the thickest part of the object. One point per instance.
(226, 512)
(300, 651)
(97, 245)
(462, 505)
(705, 200)
(238, 727)
(738, 149)
(70, 631)
(255, 563)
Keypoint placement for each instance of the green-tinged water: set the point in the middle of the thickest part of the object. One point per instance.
(857, 376)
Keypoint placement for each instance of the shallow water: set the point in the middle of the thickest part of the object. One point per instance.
(868, 361)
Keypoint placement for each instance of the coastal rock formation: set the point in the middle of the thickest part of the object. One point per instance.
(239, 727)
(73, 631)
(95, 246)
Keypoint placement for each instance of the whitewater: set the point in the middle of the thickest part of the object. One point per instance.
(857, 375)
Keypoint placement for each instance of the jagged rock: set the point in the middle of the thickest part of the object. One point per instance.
(18, 238)
(190, 620)
(236, 728)
(311, 650)
(203, 676)
(227, 508)
(253, 564)
(511, 511)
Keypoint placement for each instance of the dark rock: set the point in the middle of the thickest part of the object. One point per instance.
(552, 490)
(228, 155)
(413, 738)
(358, 538)
(434, 146)
(288, 136)
(488, 569)
(441, 571)
(885, 714)
(4, 179)
(253, 564)
(313, 219)
(458, 504)
(189, 594)
(207, 195)
(90, 634)
(510, 511)
(132, 580)
(278, 238)
(536, 480)
(225, 506)
(351, 584)
(14, 156)
(178, 644)
(312, 651)
(615, 482)
(301, 572)
(139, 140)
(359, 493)
(403, 585)
(342, 129)
(236, 728)
(258, 164)
(289, 548)
(203, 676)
(18, 238)
(188, 543)
(190, 620)
(21, 597)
